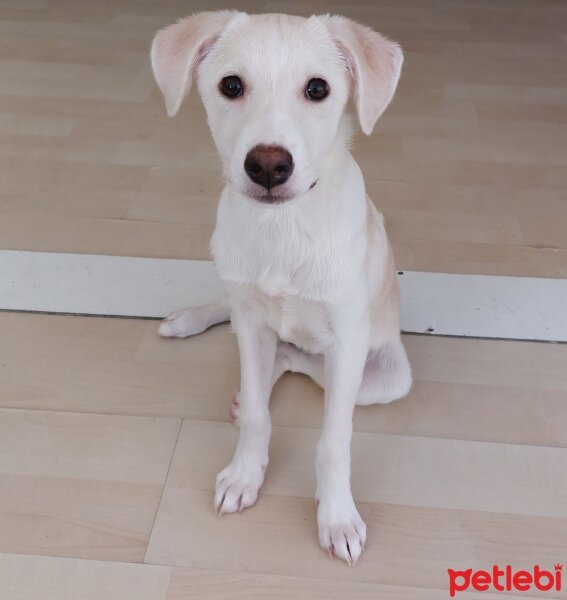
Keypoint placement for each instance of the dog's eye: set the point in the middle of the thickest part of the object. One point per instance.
(317, 89)
(231, 86)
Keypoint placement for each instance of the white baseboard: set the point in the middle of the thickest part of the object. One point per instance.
(436, 303)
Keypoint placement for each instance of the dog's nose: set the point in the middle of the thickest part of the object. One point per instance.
(268, 166)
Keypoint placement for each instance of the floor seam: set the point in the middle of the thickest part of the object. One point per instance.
(162, 491)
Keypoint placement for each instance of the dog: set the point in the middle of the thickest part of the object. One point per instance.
(309, 272)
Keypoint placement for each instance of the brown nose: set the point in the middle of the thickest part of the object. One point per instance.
(268, 166)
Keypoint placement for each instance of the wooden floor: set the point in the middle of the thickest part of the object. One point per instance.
(111, 437)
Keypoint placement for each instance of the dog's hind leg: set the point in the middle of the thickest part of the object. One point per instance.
(387, 375)
(191, 321)
(289, 358)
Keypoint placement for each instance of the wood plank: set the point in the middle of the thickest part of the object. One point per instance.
(32, 577)
(511, 392)
(81, 485)
(226, 585)
(408, 546)
(47, 578)
(405, 470)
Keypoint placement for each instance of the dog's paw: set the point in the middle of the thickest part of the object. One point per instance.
(235, 408)
(237, 486)
(182, 323)
(342, 532)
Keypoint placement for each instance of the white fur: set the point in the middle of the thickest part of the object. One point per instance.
(311, 279)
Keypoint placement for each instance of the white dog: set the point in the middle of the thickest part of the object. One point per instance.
(310, 275)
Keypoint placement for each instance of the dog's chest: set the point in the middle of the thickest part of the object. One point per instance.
(289, 301)
(296, 320)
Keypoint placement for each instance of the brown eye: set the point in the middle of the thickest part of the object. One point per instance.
(231, 86)
(317, 89)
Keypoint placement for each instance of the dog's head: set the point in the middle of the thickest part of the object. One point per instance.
(274, 88)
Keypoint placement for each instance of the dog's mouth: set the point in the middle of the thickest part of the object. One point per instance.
(272, 198)
(276, 196)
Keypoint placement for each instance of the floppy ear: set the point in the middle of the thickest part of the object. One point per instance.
(374, 62)
(178, 49)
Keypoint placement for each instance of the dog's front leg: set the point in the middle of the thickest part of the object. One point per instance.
(342, 532)
(238, 484)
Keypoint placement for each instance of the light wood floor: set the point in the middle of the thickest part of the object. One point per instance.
(111, 437)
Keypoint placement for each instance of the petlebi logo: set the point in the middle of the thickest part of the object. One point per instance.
(505, 580)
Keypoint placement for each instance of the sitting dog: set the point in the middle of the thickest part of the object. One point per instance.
(301, 248)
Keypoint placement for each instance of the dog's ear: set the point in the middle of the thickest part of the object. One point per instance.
(374, 63)
(178, 49)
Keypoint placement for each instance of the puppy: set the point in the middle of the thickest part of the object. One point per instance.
(303, 251)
